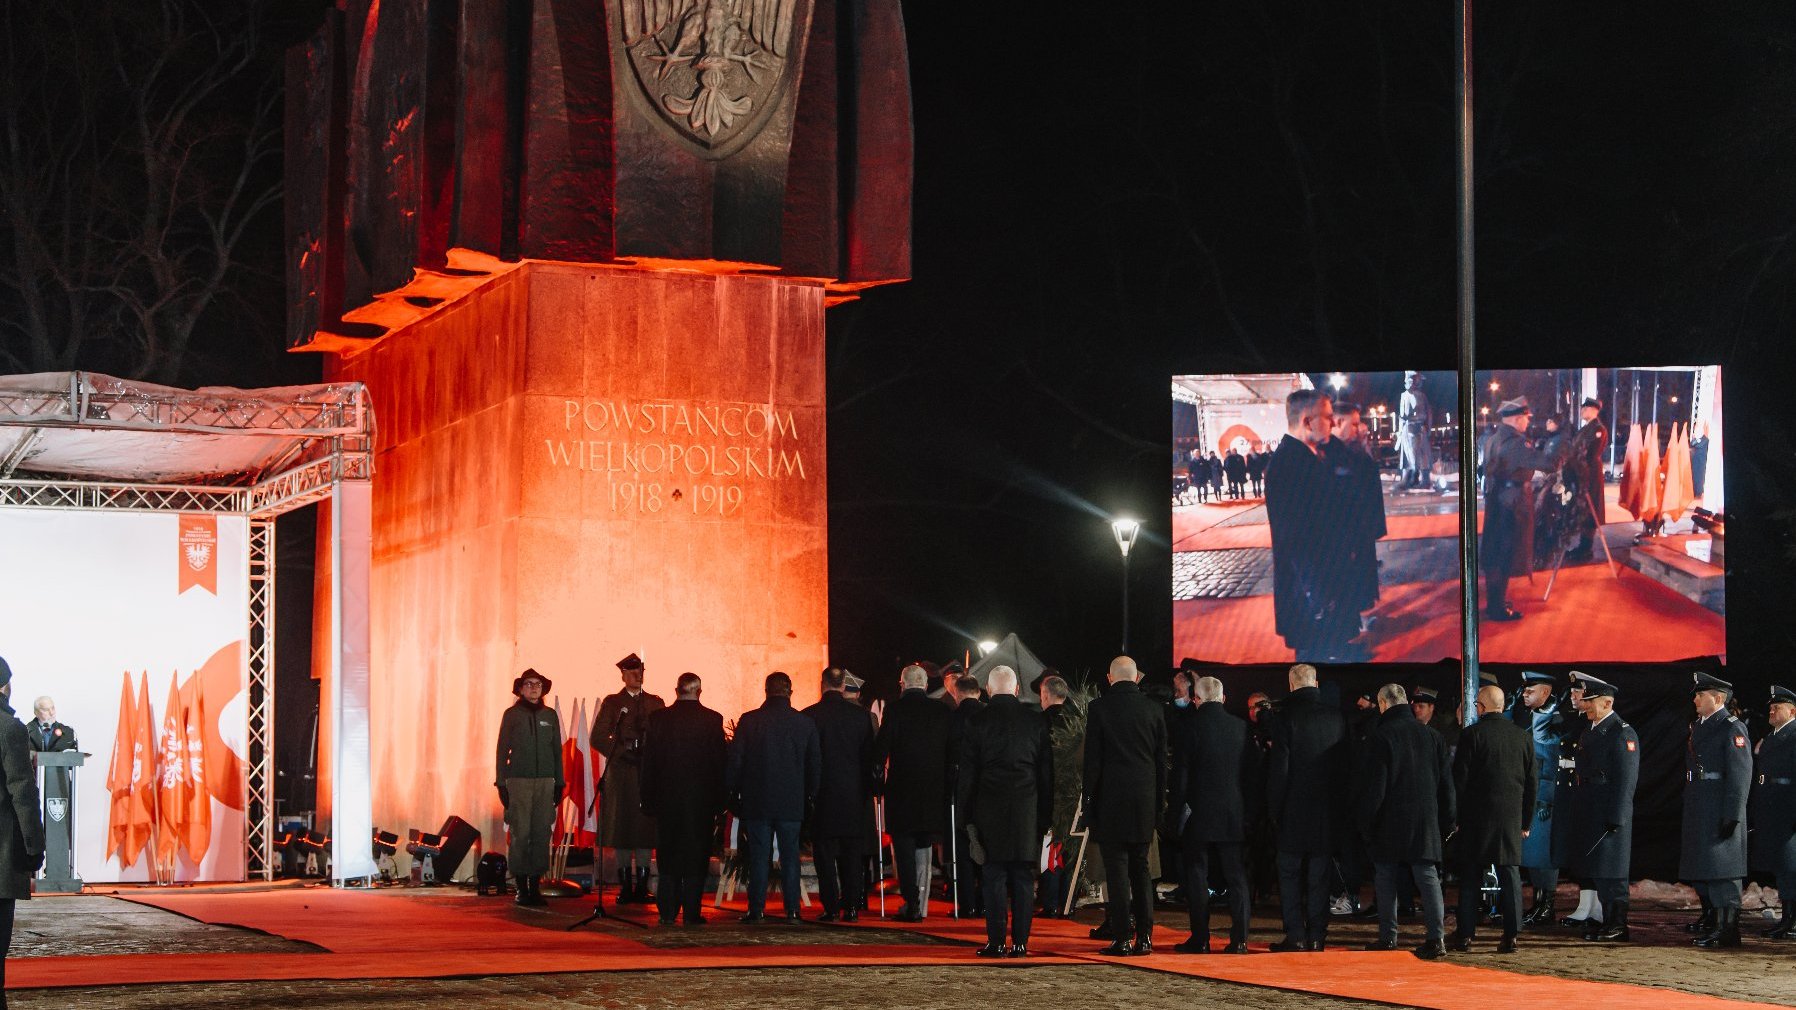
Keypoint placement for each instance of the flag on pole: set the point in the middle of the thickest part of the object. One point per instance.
(196, 836)
(143, 776)
(119, 774)
(171, 787)
(589, 776)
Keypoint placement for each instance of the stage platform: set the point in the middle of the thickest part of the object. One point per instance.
(149, 937)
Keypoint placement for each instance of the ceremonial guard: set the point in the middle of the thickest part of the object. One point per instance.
(1215, 775)
(1717, 780)
(1536, 710)
(1405, 807)
(1602, 828)
(682, 789)
(910, 761)
(1773, 808)
(1587, 449)
(1495, 776)
(1006, 789)
(530, 778)
(1507, 547)
(617, 733)
(1125, 788)
(1306, 778)
(844, 814)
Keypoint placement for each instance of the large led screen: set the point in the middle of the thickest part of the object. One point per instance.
(1315, 515)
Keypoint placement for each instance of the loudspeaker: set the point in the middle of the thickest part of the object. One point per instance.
(458, 837)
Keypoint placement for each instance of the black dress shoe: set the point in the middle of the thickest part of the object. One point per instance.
(851, 915)
(1101, 931)
(1613, 934)
(1118, 948)
(1316, 946)
(992, 950)
(665, 920)
(695, 920)
(1144, 945)
(1380, 945)
(1431, 950)
(793, 918)
(908, 916)
(1193, 945)
(1506, 614)
(1506, 945)
(1288, 947)
(1018, 950)
(828, 917)
(1460, 945)
(1236, 947)
(754, 918)
(1569, 922)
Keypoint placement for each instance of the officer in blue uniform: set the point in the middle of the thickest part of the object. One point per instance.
(1536, 709)
(1717, 778)
(1772, 809)
(1602, 829)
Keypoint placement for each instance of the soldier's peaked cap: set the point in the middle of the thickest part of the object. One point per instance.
(1591, 401)
(1594, 688)
(1782, 693)
(1536, 677)
(1427, 694)
(1512, 408)
(1700, 681)
(630, 662)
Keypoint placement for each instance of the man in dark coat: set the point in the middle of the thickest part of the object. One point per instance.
(1509, 466)
(1235, 466)
(1588, 447)
(775, 767)
(617, 733)
(530, 778)
(21, 818)
(683, 757)
(961, 690)
(1363, 518)
(1306, 496)
(1306, 776)
(1006, 792)
(1125, 789)
(1215, 774)
(840, 824)
(1602, 828)
(910, 760)
(1405, 806)
(1066, 737)
(1772, 811)
(47, 736)
(1495, 778)
(1256, 468)
(1717, 781)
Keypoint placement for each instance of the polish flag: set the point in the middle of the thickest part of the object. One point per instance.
(589, 776)
(119, 774)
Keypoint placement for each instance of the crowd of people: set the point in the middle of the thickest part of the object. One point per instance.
(1006, 797)
(1243, 472)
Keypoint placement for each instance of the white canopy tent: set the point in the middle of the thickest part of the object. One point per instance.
(77, 440)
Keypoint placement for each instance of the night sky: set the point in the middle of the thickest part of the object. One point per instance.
(1105, 198)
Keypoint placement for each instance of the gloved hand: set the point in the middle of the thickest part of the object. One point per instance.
(1727, 828)
(505, 797)
(37, 861)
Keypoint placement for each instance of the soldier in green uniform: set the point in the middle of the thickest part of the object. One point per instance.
(1717, 777)
(617, 733)
(530, 781)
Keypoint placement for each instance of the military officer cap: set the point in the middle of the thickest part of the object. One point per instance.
(1779, 693)
(1591, 401)
(953, 669)
(630, 662)
(1536, 677)
(852, 684)
(1427, 694)
(1488, 678)
(517, 686)
(1594, 688)
(1701, 682)
(1514, 408)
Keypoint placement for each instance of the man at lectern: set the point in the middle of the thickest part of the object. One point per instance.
(21, 824)
(45, 734)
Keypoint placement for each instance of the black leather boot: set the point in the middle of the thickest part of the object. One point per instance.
(642, 887)
(520, 889)
(1540, 915)
(626, 887)
(1704, 925)
(1726, 932)
(1786, 925)
(1615, 924)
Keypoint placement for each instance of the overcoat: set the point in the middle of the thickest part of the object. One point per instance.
(1717, 780)
(1362, 522)
(1772, 813)
(1405, 797)
(910, 754)
(1312, 586)
(1495, 779)
(1307, 772)
(617, 733)
(21, 822)
(682, 783)
(776, 762)
(844, 798)
(1007, 779)
(1509, 466)
(1608, 770)
(1215, 772)
(1125, 765)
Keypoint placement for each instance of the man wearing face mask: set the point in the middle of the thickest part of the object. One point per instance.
(1718, 775)
(1773, 808)
(617, 733)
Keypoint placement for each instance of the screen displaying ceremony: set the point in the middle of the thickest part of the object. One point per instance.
(1315, 516)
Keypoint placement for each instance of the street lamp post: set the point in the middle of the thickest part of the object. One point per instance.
(1125, 530)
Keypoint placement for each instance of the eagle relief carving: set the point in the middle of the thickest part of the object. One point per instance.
(712, 68)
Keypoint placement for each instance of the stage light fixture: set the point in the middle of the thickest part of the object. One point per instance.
(1337, 381)
(386, 846)
(987, 647)
(315, 848)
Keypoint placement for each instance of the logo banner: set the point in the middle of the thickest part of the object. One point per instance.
(198, 562)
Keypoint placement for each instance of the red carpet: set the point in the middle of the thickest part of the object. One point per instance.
(391, 935)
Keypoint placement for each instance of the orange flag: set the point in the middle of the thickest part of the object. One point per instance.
(197, 818)
(119, 774)
(171, 786)
(1651, 490)
(143, 776)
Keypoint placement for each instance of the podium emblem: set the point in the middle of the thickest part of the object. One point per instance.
(57, 807)
(713, 69)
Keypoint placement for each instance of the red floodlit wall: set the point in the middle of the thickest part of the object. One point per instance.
(576, 462)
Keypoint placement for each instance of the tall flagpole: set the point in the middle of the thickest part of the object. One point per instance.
(1468, 431)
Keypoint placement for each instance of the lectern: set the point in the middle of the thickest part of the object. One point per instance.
(59, 876)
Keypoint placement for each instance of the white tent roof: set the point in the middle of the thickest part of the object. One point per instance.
(83, 426)
(1013, 653)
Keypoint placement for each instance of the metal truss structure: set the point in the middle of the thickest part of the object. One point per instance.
(323, 441)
